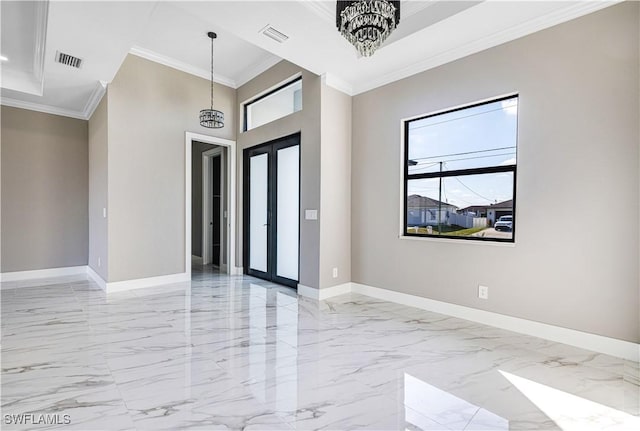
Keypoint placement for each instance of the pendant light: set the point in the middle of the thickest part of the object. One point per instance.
(211, 118)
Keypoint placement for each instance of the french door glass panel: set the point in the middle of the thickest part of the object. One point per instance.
(288, 212)
(259, 219)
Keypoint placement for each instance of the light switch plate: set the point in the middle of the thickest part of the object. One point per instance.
(311, 214)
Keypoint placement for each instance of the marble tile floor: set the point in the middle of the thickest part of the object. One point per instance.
(236, 353)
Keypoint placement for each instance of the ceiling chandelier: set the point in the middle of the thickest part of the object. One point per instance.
(367, 23)
(211, 118)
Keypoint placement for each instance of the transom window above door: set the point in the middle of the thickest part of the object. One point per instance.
(283, 100)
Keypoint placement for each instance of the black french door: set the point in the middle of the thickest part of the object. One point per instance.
(272, 210)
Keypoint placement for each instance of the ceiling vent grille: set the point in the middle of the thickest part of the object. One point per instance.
(68, 60)
(274, 34)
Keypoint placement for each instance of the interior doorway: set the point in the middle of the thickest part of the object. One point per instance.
(214, 208)
(210, 203)
(272, 210)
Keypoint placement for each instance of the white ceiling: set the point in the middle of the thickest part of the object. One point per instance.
(431, 33)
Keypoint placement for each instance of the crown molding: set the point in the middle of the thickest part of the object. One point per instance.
(180, 65)
(337, 83)
(47, 109)
(554, 18)
(85, 114)
(94, 99)
(257, 69)
(323, 9)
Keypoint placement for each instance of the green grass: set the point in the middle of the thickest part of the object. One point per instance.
(448, 230)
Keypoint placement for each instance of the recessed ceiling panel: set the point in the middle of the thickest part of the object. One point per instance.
(24, 26)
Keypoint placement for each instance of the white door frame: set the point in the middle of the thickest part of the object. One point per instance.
(230, 194)
(207, 204)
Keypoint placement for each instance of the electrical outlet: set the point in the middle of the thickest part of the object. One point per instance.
(99, 262)
(483, 292)
(335, 272)
(104, 212)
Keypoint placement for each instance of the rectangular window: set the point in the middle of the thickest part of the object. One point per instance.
(460, 172)
(273, 105)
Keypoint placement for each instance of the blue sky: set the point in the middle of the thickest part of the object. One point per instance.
(470, 138)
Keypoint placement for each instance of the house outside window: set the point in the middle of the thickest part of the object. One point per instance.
(460, 172)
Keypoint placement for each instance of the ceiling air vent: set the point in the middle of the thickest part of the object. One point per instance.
(274, 34)
(68, 60)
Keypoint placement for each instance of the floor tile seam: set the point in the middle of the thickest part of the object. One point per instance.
(118, 388)
(471, 419)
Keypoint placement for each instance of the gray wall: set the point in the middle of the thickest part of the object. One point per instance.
(575, 261)
(335, 223)
(44, 191)
(98, 229)
(150, 107)
(306, 121)
(196, 196)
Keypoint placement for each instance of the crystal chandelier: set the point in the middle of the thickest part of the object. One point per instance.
(367, 23)
(211, 118)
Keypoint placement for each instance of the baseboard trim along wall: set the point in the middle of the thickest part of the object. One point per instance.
(97, 278)
(117, 286)
(322, 294)
(584, 340)
(140, 283)
(42, 273)
(597, 343)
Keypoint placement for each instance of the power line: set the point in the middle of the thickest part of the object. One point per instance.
(473, 191)
(465, 153)
(480, 157)
(455, 119)
(413, 169)
(424, 167)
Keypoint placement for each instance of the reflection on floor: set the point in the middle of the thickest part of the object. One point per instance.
(235, 352)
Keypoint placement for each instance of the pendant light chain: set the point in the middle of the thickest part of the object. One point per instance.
(211, 73)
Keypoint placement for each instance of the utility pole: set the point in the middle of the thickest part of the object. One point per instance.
(440, 201)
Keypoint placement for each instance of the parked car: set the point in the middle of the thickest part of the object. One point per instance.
(504, 223)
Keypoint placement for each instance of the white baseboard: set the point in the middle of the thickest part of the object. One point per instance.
(584, 340)
(97, 278)
(322, 294)
(117, 286)
(42, 273)
(139, 283)
(237, 270)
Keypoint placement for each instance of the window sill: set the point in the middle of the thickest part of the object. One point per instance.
(458, 241)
